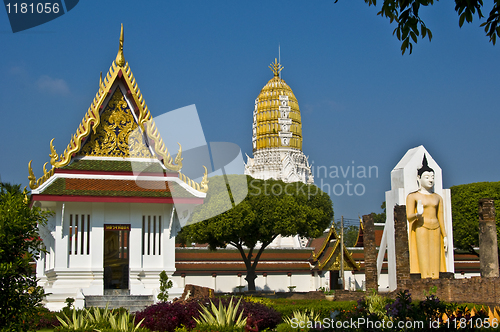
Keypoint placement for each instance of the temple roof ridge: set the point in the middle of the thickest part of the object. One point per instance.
(328, 255)
(119, 72)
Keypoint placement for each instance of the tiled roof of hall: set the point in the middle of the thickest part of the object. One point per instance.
(115, 188)
(327, 251)
(118, 92)
(112, 165)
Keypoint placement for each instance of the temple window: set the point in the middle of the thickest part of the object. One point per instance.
(151, 235)
(79, 234)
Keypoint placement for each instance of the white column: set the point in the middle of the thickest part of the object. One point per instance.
(135, 241)
(167, 242)
(315, 280)
(61, 238)
(97, 236)
(214, 282)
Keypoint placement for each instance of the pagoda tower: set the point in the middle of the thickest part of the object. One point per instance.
(277, 141)
(277, 134)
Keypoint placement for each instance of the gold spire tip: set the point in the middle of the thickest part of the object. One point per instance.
(120, 58)
(276, 67)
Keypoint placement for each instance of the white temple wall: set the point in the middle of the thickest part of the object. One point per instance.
(227, 283)
(75, 259)
(97, 236)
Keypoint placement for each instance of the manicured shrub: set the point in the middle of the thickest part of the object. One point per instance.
(165, 285)
(261, 300)
(43, 318)
(167, 316)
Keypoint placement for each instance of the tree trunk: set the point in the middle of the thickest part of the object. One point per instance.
(250, 278)
(249, 264)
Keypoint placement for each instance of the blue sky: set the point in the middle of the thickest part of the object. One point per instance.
(362, 102)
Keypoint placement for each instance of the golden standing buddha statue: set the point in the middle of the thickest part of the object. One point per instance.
(425, 214)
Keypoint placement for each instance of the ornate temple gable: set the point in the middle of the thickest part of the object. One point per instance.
(125, 110)
(117, 134)
(328, 256)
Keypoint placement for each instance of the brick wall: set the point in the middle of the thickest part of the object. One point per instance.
(474, 290)
(370, 253)
(401, 245)
(488, 250)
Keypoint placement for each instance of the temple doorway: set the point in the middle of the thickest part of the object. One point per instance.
(116, 256)
(335, 280)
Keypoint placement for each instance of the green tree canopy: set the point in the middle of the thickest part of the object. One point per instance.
(270, 208)
(406, 14)
(19, 245)
(380, 217)
(350, 233)
(465, 212)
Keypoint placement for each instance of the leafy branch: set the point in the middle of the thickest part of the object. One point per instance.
(410, 25)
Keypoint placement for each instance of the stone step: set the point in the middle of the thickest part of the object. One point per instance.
(131, 302)
(116, 304)
(119, 297)
(116, 292)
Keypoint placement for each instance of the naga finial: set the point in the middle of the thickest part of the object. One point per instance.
(276, 67)
(31, 176)
(204, 181)
(120, 58)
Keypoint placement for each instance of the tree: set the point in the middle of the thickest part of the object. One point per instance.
(380, 217)
(410, 25)
(350, 233)
(19, 245)
(464, 205)
(165, 285)
(270, 208)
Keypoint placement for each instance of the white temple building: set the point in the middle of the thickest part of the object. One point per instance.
(118, 199)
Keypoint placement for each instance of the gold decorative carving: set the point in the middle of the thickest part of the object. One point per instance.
(202, 186)
(112, 136)
(159, 146)
(331, 254)
(92, 119)
(33, 182)
(120, 58)
(331, 233)
(276, 67)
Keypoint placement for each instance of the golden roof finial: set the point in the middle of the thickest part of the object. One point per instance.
(276, 67)
(120, 59)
